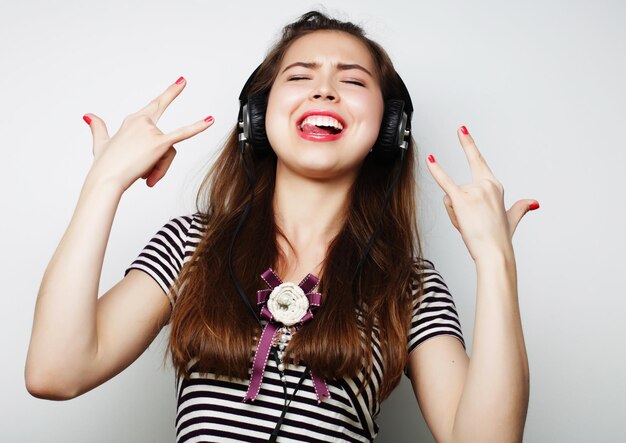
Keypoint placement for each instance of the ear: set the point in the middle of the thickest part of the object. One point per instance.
(257, 108)
(387, 142)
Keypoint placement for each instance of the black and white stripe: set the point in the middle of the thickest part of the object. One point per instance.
(211, 409)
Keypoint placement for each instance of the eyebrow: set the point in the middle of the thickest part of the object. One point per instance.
(340, 66)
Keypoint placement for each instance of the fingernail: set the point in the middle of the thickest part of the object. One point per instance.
(464, 130)
(180, 80)
(533, 206)
(87, 119)
(431, 159)
(209, 119)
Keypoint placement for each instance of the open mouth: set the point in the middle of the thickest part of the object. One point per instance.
(320, 125)
(319, 130)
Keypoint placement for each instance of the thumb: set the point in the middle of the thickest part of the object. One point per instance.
(98, 129)
(518, 210)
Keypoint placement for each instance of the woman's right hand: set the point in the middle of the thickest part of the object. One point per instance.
(139, 148)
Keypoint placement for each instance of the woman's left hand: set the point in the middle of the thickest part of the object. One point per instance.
(477, 209)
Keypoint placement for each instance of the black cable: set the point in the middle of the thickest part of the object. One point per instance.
(279, 423)
(241, 292)
(394, 180)
(242, 219)
(370, 242)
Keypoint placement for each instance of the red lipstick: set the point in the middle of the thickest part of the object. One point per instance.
(320, 137)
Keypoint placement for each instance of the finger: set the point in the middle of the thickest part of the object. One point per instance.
(188, 131)
(98, 128)
(157, 107)
(442, 179)
(477, 163)
(447, 201)
(161, 167)
(518, 210)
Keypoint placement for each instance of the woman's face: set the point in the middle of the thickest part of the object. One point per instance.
(325, 106)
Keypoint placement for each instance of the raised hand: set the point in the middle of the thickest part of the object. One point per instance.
(477, 209)
(139, 148)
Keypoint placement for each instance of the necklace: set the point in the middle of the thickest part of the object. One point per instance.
(285, 306)
(281, 339)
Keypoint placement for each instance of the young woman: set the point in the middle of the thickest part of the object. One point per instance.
(297, 294)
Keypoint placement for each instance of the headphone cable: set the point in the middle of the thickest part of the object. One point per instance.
(242, 220)
(241, 292)
(370, 242)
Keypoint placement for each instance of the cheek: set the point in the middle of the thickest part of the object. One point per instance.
(277, 117)
(371, 110)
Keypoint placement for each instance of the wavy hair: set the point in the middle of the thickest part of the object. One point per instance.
(210, 324)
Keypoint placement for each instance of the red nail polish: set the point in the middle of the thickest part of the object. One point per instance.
(87, 119)
(209, 119)
(431, 159)
(533, 206)
(180, 80)
(464, 130)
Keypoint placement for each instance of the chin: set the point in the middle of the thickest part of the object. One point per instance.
(318, 160)
(319, 168)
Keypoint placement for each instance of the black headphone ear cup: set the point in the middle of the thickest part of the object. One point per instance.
(257, 106)
(387, 143)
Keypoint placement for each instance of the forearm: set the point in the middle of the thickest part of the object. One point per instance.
(64, 334)
(494, 402)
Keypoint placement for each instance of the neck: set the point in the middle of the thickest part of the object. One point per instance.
(309, 212)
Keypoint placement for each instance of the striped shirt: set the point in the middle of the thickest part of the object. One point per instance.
(211, 409)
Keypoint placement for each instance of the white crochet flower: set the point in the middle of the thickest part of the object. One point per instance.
(287, 303)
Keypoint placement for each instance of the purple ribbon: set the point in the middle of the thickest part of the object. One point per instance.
(308, 284)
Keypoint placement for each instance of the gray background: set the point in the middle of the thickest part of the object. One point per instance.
(539, 84)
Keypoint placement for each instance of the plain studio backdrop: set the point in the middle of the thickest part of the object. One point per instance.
(539, 84)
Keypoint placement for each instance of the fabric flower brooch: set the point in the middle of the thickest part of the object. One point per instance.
(285, 306)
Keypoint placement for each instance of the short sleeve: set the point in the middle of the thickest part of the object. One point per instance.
(163, 257)
(434, 313)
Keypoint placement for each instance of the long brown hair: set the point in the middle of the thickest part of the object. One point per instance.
(211, 325)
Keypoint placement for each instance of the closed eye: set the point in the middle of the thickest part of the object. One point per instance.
(354, 82)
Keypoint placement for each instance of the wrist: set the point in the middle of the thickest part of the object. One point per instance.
(95, 181)
(496, 257)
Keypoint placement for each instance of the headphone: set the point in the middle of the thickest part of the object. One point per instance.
(393, 137)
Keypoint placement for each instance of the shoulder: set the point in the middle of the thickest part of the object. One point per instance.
(428, 287)
(185, 227)
(433, 308)
(186, 222)
(423, 271)
(165, 253)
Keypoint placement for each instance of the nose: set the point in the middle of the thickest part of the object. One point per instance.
(324, 96)
(324, 91)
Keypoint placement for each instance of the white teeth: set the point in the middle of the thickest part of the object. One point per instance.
(322, 120)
